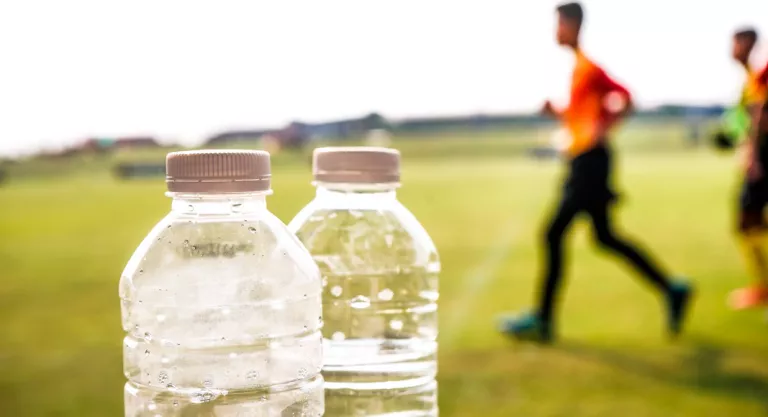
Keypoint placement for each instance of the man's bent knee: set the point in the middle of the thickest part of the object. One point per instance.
(606, 240)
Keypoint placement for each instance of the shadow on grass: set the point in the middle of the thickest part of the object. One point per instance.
(701, 365)
(521, 377)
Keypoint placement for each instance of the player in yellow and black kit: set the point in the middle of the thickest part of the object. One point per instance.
(753, 199)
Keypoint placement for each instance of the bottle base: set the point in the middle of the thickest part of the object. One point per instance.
(303, 399)
(411, 401)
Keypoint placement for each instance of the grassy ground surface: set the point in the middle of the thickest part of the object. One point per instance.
(65, 237)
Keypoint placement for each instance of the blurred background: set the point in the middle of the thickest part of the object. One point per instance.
(93, 95)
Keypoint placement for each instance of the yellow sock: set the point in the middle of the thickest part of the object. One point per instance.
(754, 247)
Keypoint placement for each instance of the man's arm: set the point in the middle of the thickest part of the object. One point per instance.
(753, 165)
(549, 110)
(762, 78)
(616, 99)
(757, 114)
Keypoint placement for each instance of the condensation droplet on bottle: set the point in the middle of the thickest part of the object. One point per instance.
(303, 372)
(163, 378)
(186, 243)
(252, 229)
(146, 352)
(208, 381)
(203, 397)
(386, 294)
(389, 239)
(360, 302)
(336, 291)
(430, 295)
(396, 324)
(338, 336)
(252, 375)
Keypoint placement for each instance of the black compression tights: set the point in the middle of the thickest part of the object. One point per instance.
(605, 237)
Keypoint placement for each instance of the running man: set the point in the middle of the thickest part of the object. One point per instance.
(597, 103)
(752, 225)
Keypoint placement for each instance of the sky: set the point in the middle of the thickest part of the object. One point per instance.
(184, 69)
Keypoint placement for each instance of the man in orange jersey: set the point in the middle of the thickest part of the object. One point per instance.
(752, 225)
(597, 104)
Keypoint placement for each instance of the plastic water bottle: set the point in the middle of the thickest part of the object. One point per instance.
(221, 304)
(380, 286)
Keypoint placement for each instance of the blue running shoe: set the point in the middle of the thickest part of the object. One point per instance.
(678, 302)
(526, 327)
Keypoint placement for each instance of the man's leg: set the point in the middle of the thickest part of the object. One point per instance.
(753, 227)
(538, 324)
(606, 238)
(553, 270)
(677, 294)
(754, 247)
(753, 236)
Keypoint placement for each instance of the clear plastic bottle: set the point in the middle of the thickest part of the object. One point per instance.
(380, 286)
(221, 304)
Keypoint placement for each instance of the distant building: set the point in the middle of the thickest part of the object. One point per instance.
(233, 136)
(293, 136)
(470, 122)
(136, 142)
(296, 134)
(97, 145)
(349, 128)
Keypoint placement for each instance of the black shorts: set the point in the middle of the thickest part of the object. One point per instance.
(589, 179)
(753, 197)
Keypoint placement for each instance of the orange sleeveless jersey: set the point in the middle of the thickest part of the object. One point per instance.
(762, 79)
(589, 89)
(755, 88)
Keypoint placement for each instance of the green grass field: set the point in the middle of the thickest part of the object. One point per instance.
(65, 239)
